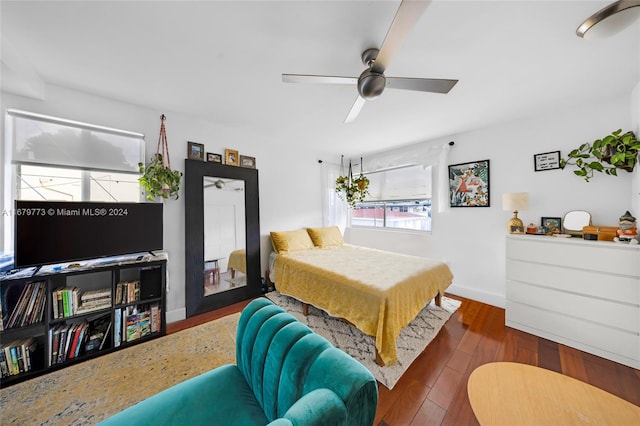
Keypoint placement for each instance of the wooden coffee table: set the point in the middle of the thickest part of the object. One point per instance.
(507, 393)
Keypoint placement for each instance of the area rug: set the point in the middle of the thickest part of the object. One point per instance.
(413, 339)
(93, 390)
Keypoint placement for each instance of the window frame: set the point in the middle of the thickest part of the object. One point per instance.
(385, 203)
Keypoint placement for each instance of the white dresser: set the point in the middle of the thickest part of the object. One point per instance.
(584, 294)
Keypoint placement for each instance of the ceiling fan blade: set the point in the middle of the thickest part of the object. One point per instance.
(407, 16)
(434, 85)
(355, 109)
(318, 79)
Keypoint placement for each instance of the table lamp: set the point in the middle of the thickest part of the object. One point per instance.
(515, 201)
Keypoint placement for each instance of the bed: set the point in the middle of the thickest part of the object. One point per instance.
(237, 262)
(377, 291)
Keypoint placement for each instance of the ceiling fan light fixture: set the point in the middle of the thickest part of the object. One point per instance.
(610, 19)
(371, 84)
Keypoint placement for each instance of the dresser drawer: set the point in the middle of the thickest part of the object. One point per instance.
(621, 288)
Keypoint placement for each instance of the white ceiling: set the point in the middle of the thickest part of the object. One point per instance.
(222, 61)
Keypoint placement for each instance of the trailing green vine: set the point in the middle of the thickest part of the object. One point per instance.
(606, 155)
(158, 180)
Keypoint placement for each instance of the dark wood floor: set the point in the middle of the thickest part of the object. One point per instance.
(433, 391)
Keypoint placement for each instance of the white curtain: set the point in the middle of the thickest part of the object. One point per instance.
(334, 209)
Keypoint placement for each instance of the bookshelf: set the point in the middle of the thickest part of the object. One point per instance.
(56, 315)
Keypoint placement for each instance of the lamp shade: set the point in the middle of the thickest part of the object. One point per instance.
(610, 20)
(515, 201)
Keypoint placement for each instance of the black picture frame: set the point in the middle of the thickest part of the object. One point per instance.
(214, 158)
(248, 162)
(469, 184)
(551, 224)
(546, 161)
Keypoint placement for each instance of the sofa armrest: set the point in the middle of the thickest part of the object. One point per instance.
(317, 408)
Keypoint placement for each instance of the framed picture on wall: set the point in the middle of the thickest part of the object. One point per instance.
(469, 184)
(214, 158)
(546, 161)
(246, 161)
(231, 157)
(195, 151)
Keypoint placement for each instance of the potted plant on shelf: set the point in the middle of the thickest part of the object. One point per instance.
(158, 179)
(606, 155)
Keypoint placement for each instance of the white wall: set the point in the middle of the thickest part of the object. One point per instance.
(289, 181)
(635, 125)
(472, 240)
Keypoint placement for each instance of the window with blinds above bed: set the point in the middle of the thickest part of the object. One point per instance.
(398, 198)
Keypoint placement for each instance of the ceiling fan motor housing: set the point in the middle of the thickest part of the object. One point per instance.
(371, 84)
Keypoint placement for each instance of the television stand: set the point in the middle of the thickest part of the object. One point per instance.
(89, 311)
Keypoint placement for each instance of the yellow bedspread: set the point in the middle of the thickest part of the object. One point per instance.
(238, 261)
(377, 291)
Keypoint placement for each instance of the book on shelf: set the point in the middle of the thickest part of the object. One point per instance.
(117, 329)
(127, 292)
(97, 332)
(70, 301)
(29, 308)
(15, 357)
(140, 321)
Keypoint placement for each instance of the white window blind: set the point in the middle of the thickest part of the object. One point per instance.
(403, 183)
(44, 140)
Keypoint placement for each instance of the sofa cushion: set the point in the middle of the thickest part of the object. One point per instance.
(218, 394)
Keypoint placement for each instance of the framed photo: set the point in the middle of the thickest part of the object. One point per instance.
(469, 184)
(231, 157)
(246, 161)
(214, 158)
(546, 161)
(195, 151)
(552, 225)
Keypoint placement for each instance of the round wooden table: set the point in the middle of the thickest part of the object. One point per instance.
(508, 393)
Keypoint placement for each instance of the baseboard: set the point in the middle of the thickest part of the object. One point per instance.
(176, 315)
(481, 296)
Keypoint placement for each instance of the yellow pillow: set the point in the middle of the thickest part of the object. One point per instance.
(290, 241)
(326, 237)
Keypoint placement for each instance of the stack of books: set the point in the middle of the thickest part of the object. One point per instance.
(15, 357)
(70, 301)
(68, 340)
(136, 321)
(94, 300)
(30, 307)
(127, 292)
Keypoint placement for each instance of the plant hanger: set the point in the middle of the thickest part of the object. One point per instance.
(163, 147)
(351, 189)
(157, 178)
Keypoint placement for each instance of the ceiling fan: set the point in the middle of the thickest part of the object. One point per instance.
(372, 82)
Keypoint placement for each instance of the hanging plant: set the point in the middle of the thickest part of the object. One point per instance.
(158, 180)
(353, 190)
(606, 155)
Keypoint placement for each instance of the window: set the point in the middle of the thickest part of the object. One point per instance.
(57, 183)
(57, 159)
(398, 198)
(50, 158)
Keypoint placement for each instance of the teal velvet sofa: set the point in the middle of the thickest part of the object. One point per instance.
(285, 374)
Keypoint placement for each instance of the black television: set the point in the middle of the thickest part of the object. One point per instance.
(51, 232)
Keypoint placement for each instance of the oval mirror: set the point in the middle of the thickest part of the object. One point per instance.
(574, 221)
